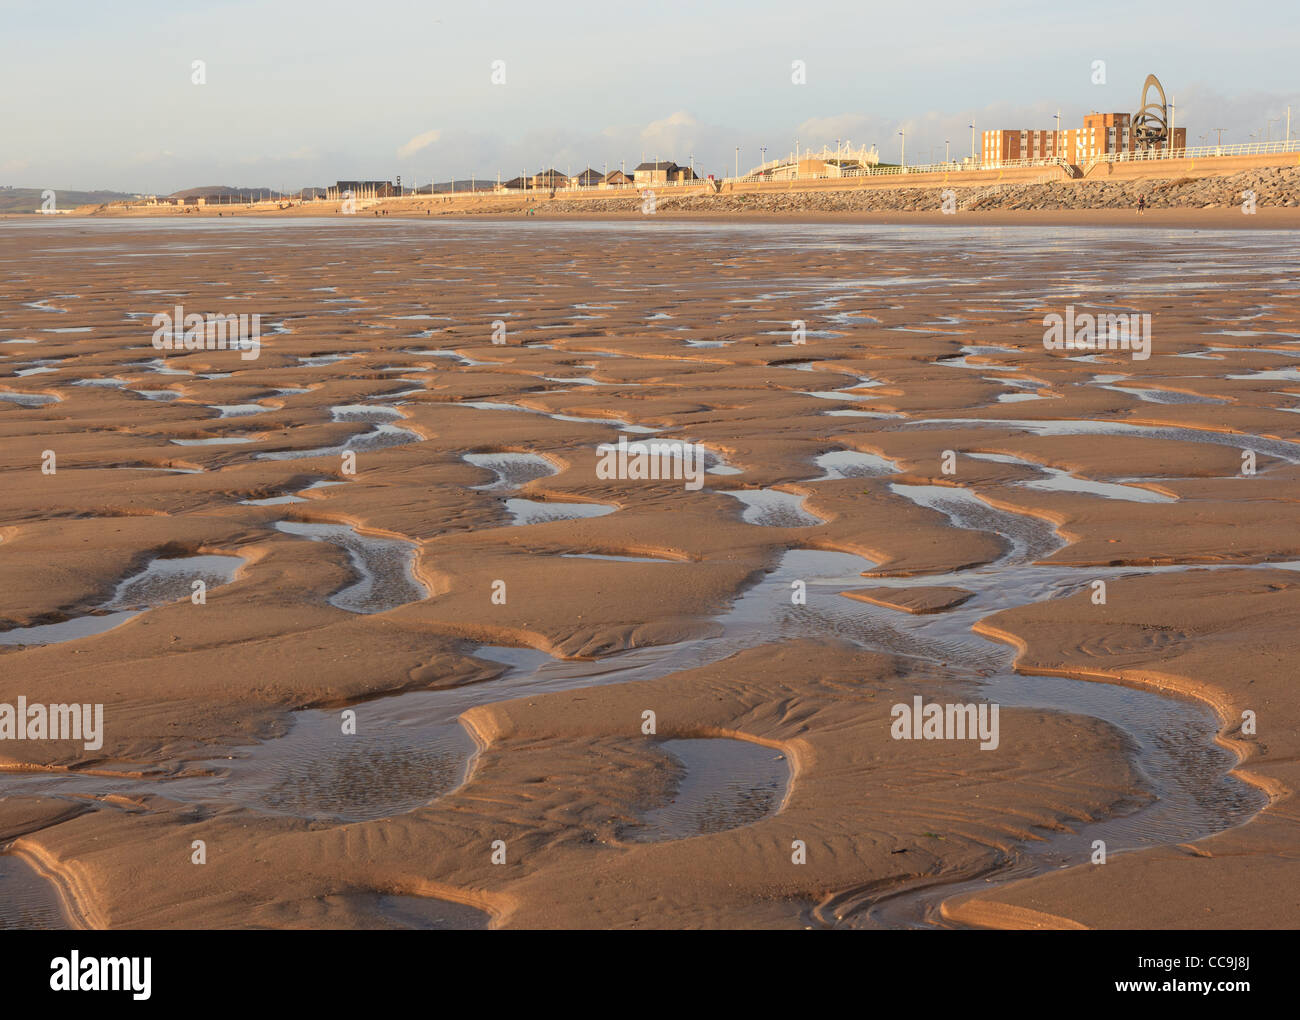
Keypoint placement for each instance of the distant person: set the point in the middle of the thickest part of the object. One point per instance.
(1142, 204)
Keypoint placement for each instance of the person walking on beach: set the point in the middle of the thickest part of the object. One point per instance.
(1142, 204)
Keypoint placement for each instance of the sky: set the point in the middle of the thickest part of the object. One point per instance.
(98, 95)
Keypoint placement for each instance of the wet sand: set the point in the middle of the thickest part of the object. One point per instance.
(414, 527)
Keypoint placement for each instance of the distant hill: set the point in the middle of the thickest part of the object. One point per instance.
(225, 193)
(25, 200)
(441, 187)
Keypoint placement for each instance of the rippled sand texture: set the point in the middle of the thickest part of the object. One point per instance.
(415, 693)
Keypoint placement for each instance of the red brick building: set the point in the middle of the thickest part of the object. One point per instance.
(1001, 146)
(1104, 133)
(1101, 133)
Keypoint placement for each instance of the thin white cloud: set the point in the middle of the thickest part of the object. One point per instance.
(419, 142)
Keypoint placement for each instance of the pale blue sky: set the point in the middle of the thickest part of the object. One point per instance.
(99, 94)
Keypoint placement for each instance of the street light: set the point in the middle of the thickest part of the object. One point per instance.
(972, 141)
(945, 150)
(902, 149)
(737, 161)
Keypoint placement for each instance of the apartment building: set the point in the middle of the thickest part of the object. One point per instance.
(1001, 146)
(1101, 133)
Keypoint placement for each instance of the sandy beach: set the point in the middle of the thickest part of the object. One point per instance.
(441, 669)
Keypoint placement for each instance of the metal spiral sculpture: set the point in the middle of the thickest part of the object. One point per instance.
(1150, 125)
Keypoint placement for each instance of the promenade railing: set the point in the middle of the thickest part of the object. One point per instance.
(1197, 152)
(953, 166)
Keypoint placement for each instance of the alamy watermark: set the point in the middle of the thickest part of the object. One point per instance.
(652, 459)
(919, 721)
(1106, 331)
(53, 722)
(75, 973)
(182, 331)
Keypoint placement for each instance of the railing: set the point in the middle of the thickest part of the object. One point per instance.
(1197, 152)
(887, 171)
(760, 174)
(861, 155)
(998, 164)
(698, 182)
(978, 194)
(562, 189)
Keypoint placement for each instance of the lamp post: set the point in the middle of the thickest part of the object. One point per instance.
(945, 150)
(902, 149)
(737, 162)
(972, 141)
